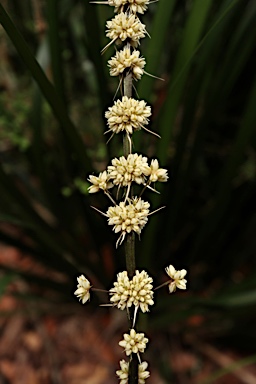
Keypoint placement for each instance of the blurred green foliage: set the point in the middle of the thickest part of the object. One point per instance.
(52, 102)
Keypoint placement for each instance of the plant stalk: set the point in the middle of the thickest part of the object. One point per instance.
(129, 243)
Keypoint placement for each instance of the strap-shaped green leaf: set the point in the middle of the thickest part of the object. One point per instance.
(48, 90)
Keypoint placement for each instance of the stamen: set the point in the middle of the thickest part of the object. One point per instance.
(96, 209)
(107, 46)
(155, 77)
(159, 209)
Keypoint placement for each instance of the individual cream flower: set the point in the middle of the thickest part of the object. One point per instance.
(128, 115)
(155, 173)
(128, 217)
(143, 374)
(135, 6)
(123, 373)
(141, 291)
(177, 277)
(121, 291)
(99, 182)
(83, 289)
(124, 171)
(133, 343)
(125, 26)
(123, 60)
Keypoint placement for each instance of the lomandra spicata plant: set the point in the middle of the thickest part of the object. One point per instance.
(128, 213)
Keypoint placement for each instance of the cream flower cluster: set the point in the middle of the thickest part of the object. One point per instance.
(83, 289)
(128, 115)
(128, 216)
(134, 342)
(141, 291)
(125, 59)
(124, 171)
(177, 278)
(123, 373)
(100, 182)
(121, 291)
(126, 26)
(138, 291)
(156, 174)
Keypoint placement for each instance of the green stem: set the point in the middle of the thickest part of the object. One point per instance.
(129, 249)
(127, 91)
(128, 85)
(129, 243)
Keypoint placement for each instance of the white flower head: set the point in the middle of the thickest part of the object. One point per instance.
(177, 277)
(123, 60)
(128, 115)
(124, 171)
(100, 182)
(123, 373)
(128, 216)
(155, 173)
(138, 292)
(125, 26)
(121, 291)
(133, 343)
(141, 295)
(83, 289)
(135, 6)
